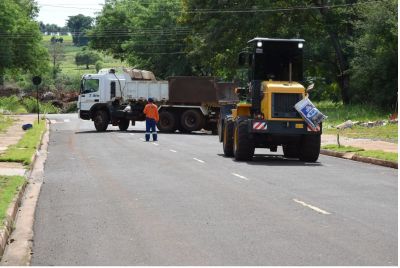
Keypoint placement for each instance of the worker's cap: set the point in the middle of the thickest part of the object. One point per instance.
(150, 100)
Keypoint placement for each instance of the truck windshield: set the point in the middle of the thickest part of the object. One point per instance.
(90, 86)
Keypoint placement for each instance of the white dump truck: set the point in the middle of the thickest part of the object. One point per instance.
(186, 103)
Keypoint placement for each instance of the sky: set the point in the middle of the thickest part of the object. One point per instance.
(57, 11)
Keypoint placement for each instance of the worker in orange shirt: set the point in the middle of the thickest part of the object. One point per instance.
(151, 112)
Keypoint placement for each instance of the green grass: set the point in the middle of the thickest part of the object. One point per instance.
(68, 66)
(338, 113)
(23, 151)
(378, 154)
(386, 133)
(9, 186)
(342, 149)
(5, 122)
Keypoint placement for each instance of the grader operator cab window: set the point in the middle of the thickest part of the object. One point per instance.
(276, 59)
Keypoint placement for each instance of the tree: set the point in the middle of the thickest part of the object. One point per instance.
(374, 66)
(145, 34)
(78, 25)
(20, 38)
(56, 53)
(86, 57)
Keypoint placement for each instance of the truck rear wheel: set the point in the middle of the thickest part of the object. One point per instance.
(227, 138)
(101, 120)
(192, 120)
(290, 150)
(167, 122)
(309, 148)
(243, 144)
(123, 124)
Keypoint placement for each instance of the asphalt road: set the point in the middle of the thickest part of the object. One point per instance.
(113, 199)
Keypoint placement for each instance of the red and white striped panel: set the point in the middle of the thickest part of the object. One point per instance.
(309, 128)
(260, 125)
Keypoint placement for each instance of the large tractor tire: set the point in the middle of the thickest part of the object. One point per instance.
(167, 122)
(101, 120)
(243, 144)
(123, 124)
(192, 120)
(227, 139)
(309, 148)
(290, 150)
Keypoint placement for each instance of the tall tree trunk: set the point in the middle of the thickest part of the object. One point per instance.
(2, 72)
(341, 57)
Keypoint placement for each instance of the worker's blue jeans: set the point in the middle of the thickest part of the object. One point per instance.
(151, 129)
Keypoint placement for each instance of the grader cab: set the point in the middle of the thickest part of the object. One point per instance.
(266, 116)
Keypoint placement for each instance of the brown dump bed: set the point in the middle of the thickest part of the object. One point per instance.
(198, 90)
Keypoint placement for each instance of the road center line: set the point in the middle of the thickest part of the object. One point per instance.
(240, 176)
(312, 207)
(173, 151)
(198, 160)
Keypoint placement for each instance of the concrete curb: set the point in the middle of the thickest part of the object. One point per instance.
(11, 214)
(355, 157)
(12, 211)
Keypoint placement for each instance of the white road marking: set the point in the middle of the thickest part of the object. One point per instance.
(142, 139)
(240, 176)
(132, 134)
(173, 151)
(67, 120)
(53, 121)
(156, 144)
(312, 207)
(198, 160)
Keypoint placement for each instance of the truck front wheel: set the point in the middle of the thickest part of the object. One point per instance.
(243, 144)
(123, 124)
(167, 122)
(101, 120)
(309, 148)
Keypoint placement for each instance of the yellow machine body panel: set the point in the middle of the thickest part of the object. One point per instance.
(242, 109)
(270, 87)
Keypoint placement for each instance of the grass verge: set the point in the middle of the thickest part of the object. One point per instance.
(5, 122)
(23, 151)
(378, 154)
(9, 186)
(338, 113)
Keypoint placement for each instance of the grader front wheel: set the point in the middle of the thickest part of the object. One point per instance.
(243, 145)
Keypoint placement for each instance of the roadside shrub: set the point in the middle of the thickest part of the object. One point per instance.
(30, 105)
(11, 105)
(71, 107)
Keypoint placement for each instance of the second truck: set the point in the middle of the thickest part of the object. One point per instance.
(186, 103)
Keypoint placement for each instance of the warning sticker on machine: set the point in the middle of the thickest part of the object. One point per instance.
(260, 125)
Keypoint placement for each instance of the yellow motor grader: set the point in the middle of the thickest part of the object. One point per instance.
(266, 117)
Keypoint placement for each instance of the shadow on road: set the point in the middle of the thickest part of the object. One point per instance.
(142, 132)
(275, 160)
